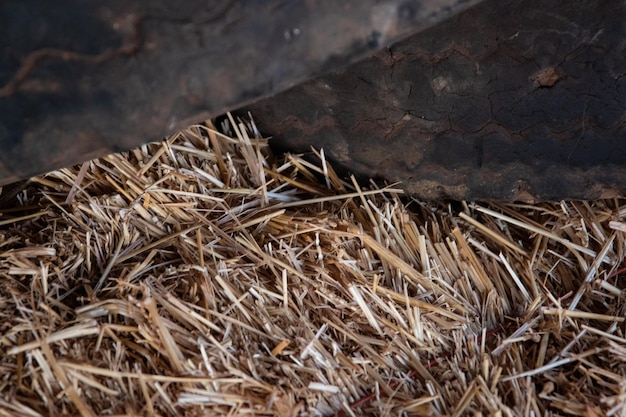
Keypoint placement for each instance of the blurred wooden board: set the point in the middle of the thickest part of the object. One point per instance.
(80, 79)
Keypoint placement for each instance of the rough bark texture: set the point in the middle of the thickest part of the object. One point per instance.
(80, 79)
(510, 100)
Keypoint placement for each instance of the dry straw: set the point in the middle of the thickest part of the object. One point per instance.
(203, 276)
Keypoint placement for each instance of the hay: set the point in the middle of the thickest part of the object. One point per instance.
(203, 276)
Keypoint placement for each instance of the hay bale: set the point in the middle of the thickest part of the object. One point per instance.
(204, 276)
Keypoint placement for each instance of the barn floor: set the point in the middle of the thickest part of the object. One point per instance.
(204, 276)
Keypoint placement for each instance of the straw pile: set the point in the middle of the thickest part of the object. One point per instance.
(203, 276)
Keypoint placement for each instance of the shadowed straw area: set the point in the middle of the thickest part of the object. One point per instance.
(204, 276)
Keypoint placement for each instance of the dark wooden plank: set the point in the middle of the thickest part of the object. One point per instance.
(510, 100)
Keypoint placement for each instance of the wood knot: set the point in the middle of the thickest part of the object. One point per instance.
(547, 77)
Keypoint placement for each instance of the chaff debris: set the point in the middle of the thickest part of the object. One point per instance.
(204, 276)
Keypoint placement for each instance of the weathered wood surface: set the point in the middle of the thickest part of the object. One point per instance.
(510, 100)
